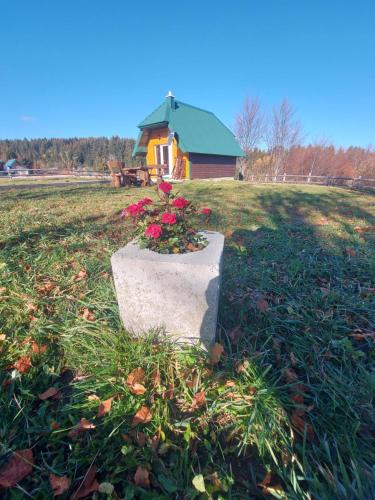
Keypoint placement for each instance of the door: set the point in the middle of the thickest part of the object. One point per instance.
(163, 154)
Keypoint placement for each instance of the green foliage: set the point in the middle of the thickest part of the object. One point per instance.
(297, 320)
(89, 153)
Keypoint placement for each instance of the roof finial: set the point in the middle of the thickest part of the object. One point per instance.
(170, 94)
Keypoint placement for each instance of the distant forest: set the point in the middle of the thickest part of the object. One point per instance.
(89, 153)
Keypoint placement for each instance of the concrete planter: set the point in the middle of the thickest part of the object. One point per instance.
(176, 293)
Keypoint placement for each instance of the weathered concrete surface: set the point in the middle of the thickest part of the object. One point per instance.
(177, 293)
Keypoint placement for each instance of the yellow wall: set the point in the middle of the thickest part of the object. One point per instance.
(160, 136)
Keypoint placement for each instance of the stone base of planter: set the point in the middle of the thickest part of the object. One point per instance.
(176, 293)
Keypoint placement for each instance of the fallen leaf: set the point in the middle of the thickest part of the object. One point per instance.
(156, 439)
(88, 485)
(155, 377)
(38, 349)
(82, 426)
(300, 425)
(364, 229)
(16, 468)
(105, 407)
(230, 383)
(216, 353)
(54, 426)
(290, 375)
(262, 305)
(2, 289)
(351, 252)
(49, 393)
(137, 389)
(80, 276)
(143, 416)
(46, 287)
(235, 333)
(138, 437)
(2, 337)
(198, 483)
(93, 397)
(59, 484)
(199, 400)
(23, 364)
(88, 315)
(142, 477)
(136, 376)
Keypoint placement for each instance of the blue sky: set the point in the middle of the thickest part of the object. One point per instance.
(91, 68)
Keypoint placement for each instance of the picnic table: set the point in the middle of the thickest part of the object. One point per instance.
(128, 176)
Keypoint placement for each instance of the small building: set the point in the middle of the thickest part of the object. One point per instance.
(190, 142)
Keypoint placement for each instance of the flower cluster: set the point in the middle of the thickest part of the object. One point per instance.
(167, 226)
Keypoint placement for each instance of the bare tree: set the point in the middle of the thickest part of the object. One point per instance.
(284, 132)
(249, 128)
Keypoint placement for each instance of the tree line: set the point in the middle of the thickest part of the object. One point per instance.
(89, 153)
(273, 144)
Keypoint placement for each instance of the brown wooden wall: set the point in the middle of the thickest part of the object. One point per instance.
(210, 166)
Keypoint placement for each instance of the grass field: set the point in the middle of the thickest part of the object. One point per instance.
(287, 412)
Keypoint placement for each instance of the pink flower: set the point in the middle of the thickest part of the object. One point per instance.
(154, 231)
(145, 201)
(180, 202)
(132, 210)
(168, 218)
(205, 211)
(166, 187)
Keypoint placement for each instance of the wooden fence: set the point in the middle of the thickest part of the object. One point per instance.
(323, 180)
(23, 172)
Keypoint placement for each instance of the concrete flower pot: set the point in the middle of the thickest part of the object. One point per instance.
(176, 293)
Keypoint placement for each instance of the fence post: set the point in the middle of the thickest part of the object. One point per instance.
(309, 178)
(284, 177)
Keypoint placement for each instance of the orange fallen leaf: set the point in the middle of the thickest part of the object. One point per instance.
(216, 353)
(23, 364)
(88, 485)
(38, 349)
(80, 276)
(230, 383)
(137, 389)
(16, 468)
(49, 393)
(88, 315)
(59, 484)
(54, 426)
(199, 400)
(105, 407)
(142, 477)
(143, 416)
(136, 376)
(82, 426)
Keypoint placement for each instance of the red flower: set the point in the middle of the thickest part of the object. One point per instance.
(205, 211)
(168, 218)
(180, 202)
(145, 201)
(154, 231)
(132, 210)
(166, 187)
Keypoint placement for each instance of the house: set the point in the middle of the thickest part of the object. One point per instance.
(191, 142)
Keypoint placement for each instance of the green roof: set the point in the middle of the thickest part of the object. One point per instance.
(198, 130)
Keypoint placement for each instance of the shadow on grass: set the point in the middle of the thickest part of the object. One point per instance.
(293, 300)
